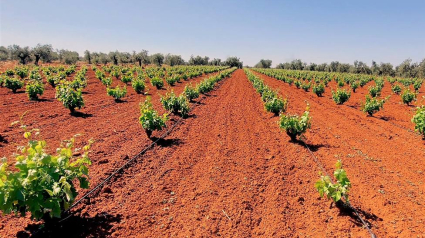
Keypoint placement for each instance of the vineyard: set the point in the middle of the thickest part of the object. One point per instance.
(203, 151)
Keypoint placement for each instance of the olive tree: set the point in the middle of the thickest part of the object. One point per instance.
(264, 64)
(157, 59)
(68, 57)
(141, 57)
(87, 56)
(20, 53)
(233, 62)
(198, 60)
(114, 55)
(215, 61)
(4, 53)
(172, 60)
(43, 52)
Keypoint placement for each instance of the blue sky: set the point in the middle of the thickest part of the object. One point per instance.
(314, 31)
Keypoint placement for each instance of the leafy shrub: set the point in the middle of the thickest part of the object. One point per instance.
(419, 120)
(396, 89)
(157, 82)
(70, 98)
(138, 85)
(297, 84)
(334, 191)
(117, 93)
(295, 125)
(276, 105)
(126, 78)
(22, 72)
(354, 85)
(340, 96)
(407, 96)
(171, 80)
(191, 93)
(205, 86)
(13, 84)
(306, 86)
(115, 74)
(42, 183)
(177, 105)
(319, 89)
(373, 105)
(417, 84)
(53, 80)
(33, 89)
(149, 118)
(341, 83)
(107, 81)
(375, 91)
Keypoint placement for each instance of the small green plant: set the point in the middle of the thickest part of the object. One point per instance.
(354, 85)
(276, 105)
(319, 89)
(295, 125)
(171, 80)
(297, 84)
(417, 84)
(341, 83)
(396, 89)
(69, 97)
(157, 82)
(340, 96)
(53, 80)
(117, 93)
(373, 105)
(33, 89)
(306, 86)
(407, 96)
(177, 105)
(13, 84)
(419, 120)
(138, 85)
(190, 92)
(42, 183)
(375, 91)
(334, 191)
(107, 81)
(149, 118)
(127, 78)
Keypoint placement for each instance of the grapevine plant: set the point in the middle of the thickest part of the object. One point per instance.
(295, 125)
(149, 118)
(419, 120)
(34, 88)
(340, 96)
(334, 191)
(373, 105)
(117, 93)
(40, 182)
(69, 97)
(177, 105)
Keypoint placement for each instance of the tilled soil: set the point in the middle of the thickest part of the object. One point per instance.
(228, 170)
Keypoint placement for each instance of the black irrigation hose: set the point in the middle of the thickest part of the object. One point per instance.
(347, 203)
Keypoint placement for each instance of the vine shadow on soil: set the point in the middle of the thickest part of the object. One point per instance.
(312, 147)
(2, 140)
(345, 210)
(167, 142)
(81, 114)
(74, 226)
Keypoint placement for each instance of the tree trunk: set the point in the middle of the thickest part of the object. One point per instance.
(22, 60)
(140, 63)
(37, 58)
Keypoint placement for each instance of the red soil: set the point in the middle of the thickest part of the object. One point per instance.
(228, 170)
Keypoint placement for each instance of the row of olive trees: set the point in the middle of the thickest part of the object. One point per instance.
(45, 53)
(405, 69)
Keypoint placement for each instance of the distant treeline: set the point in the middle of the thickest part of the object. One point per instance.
(406, 69)
(47, 54)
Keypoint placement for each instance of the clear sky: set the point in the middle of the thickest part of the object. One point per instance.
(314, 31)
